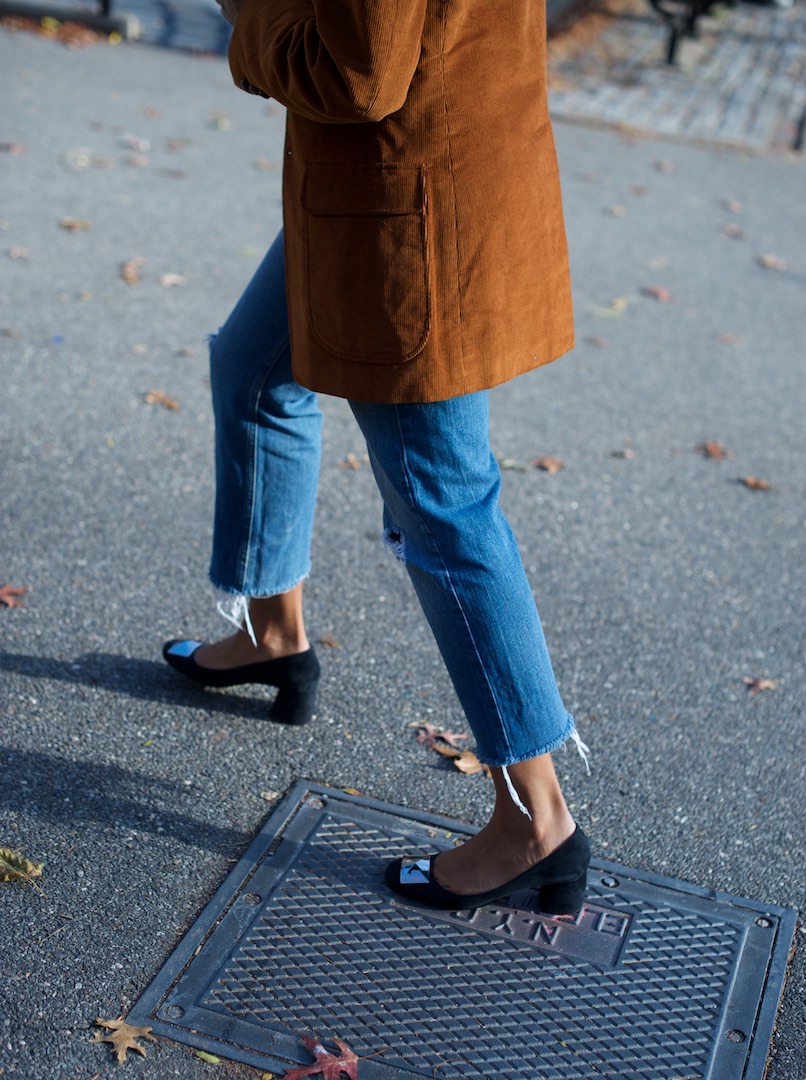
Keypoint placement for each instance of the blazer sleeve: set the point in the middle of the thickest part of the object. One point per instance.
(334, 61)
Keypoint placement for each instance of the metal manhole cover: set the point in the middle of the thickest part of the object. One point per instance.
(656, 978)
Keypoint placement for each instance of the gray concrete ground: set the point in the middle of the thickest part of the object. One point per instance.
(662, 580)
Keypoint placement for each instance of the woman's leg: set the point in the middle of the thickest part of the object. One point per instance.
(440, 486)
(267, 452)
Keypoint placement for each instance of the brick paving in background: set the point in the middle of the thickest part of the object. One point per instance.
(741, 83)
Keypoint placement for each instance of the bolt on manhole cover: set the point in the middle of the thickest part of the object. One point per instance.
(656, 978)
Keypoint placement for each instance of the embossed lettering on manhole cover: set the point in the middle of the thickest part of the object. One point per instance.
(655, 979)
(597, 935)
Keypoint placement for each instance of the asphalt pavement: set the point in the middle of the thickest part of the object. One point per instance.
(140, 188)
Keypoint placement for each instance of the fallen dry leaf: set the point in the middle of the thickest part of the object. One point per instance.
(172, 279)
(730, 339)
(773, 262)
(10, 596)
(734, 231)
(664, 166)
(464, 760)
(12, 148)
(755, 483)
(714, 450)
(73, 224)
(329, 641)
(15, 867)
(755, 686)
(429, 734)
(616, 211)
(329, 1065)
(351, 462)
(159, 397)
(597, 341)
(733, 206)
(657, 292)
(130, 269)
(639, 190)
(123, 1037)
(266, 165)
(18, 252)
(549, 464)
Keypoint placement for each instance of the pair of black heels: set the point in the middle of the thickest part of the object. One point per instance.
(559, 879)
(296, 678)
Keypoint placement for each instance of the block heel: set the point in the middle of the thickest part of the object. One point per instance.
(563, 897)
(296, 678)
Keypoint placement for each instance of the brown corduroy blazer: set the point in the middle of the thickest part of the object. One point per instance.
(425, 247)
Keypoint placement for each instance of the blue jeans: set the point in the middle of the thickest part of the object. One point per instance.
(440, 484)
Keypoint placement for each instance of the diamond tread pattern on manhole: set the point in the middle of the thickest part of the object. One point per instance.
(309, 940)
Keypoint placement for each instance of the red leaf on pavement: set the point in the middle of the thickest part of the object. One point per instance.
(755, 483)
(10, 597)
(429, 734)
(329, 1065)
(657, 292)
(715, 450)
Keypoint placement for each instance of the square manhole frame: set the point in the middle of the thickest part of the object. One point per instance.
(744, 1059)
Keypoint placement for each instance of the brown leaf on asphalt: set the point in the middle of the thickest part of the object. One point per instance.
(122, 1037)
(664, 166)
(773, 262)
(429, 733)
(73, 224)
(616, 211)
(549, 464)
(639, 190)
(351, 462)
(733, 206)
(730, 339)
(329, 641)
(734, 231)
(756, 685)
(331, 1066)
(11, 597)
(159, 397)
(755, 483)
(464, 760)
(174, 145)
(130, 269)
(18, 253)
(12, 148)
(714, 450)
(151, 112)
(657, 292)
(597, 341)
(266, 165)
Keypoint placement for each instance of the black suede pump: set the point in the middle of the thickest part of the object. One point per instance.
(296, 678)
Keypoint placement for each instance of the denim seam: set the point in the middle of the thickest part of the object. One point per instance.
(447, 572)
(249, 511)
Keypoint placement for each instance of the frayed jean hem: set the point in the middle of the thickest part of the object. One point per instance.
(549, 748)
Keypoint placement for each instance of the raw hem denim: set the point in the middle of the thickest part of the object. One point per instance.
(440, 487)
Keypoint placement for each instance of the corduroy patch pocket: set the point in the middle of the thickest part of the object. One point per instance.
(369, 289)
